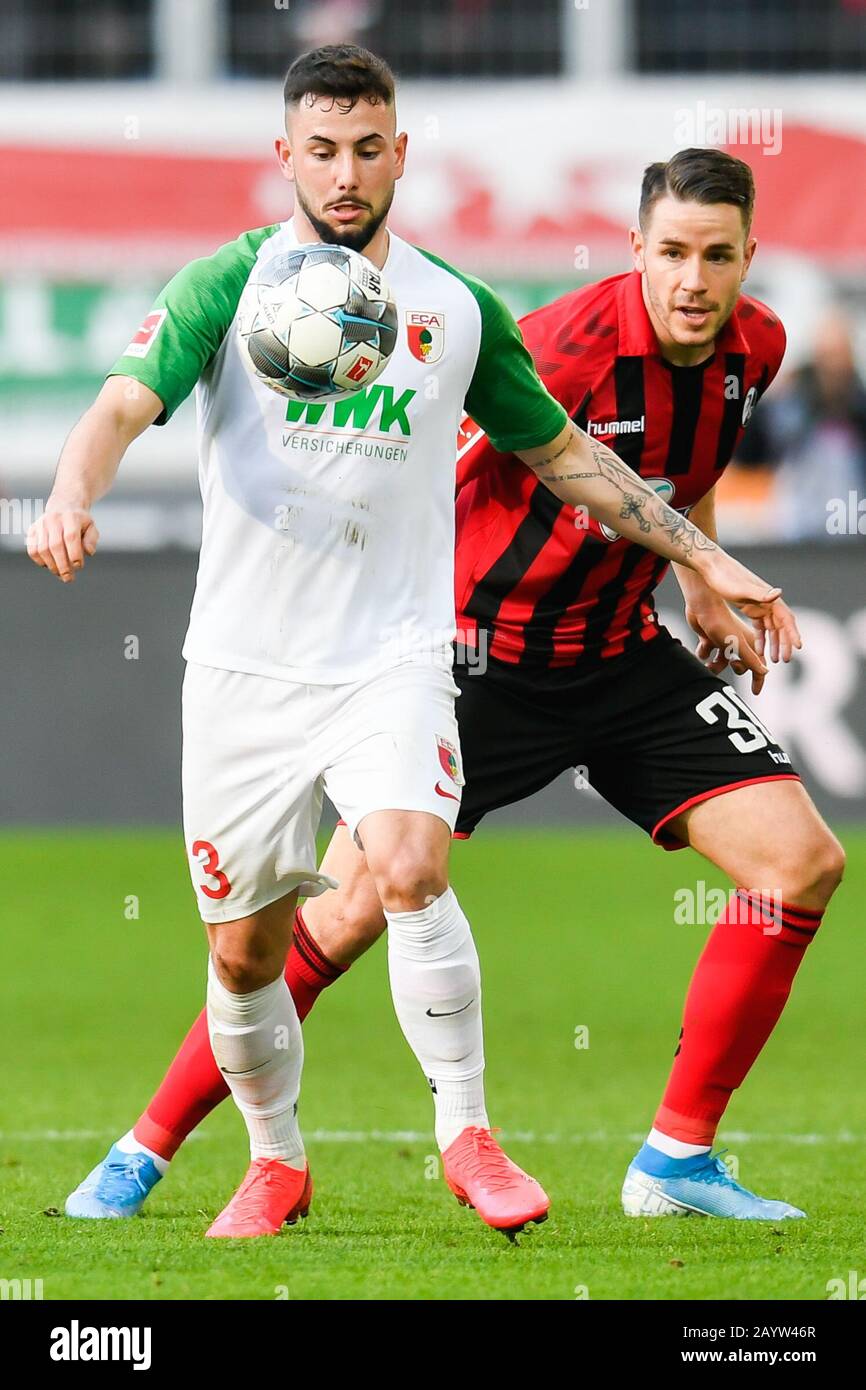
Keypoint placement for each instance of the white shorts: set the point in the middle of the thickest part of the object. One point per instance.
(259, 753)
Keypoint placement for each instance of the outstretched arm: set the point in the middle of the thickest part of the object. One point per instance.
(585, 473)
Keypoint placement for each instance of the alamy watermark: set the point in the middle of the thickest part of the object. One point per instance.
(21, 1289)
(846, 516)
(407, 642)
(703, 906)
(853, 1287)
(85, 1343)
(17, 514)
(702, 124)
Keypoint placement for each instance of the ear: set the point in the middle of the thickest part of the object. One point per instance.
(751, 248)
(636, 242)
(284, 158)
(400, 143)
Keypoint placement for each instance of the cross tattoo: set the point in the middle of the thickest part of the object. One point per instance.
(632, 507)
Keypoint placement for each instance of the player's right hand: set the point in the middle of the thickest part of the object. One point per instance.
(726, 640)
(60, 540)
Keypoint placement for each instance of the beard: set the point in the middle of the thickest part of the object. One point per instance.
(667, 314)
(353, 238)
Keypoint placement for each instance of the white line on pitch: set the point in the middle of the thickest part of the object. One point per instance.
(418, 1136)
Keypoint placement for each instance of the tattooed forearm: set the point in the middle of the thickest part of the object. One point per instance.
(632, 507)
(551, 458)
(679, 529)
(606, 464)
(588, 477)
(553, 478)
(639, 502)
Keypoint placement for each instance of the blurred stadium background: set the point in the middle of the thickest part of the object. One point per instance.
(135, 135)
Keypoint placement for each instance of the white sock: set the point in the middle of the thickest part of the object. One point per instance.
(258, 1046)
(675, 1148)
(436, 988)
(130, 1145)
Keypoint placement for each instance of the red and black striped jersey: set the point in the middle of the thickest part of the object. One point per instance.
(549, 590)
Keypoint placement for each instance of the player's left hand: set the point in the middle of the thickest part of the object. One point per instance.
(778, 625)
(730, 580)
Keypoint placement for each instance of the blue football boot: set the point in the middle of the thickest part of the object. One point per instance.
(656, 1185)
(117, 1186)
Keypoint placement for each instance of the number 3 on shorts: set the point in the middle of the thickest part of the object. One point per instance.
(747, 732)
(211, 869)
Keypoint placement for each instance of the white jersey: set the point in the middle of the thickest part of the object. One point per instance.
(328, 529)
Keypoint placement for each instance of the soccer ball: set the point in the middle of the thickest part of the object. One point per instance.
(317, 322)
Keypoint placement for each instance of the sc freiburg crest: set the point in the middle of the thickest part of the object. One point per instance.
(426, 334)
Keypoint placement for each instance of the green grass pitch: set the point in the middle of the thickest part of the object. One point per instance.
(575, 931)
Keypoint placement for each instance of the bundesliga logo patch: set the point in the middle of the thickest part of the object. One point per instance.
(426, 335)
(151, 324)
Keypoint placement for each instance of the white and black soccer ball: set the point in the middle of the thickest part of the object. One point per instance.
(317, 322)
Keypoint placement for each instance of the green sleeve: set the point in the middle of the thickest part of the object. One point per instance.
(189, 320)
(506, 397)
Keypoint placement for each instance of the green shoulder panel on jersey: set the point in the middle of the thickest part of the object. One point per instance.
(506, 397)
(197, 306)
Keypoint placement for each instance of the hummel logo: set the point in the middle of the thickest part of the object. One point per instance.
(616, 426)
(430, 1013)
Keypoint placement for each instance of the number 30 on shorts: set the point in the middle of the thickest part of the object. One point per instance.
(747, 733)
(211, 869)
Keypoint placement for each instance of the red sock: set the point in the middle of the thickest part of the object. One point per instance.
(193, 1085)
(308, 970)
(738, 991)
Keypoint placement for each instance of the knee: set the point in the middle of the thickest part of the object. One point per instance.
(242, 969)
(355, 922)
(831, 863)
(813, 870)
(410, 880)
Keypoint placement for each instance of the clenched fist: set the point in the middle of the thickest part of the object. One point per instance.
(60, 539)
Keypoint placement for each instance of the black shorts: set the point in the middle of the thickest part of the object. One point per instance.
(653, 731)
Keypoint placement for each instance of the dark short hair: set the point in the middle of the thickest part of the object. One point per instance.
(342, 71)
(699, 176)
